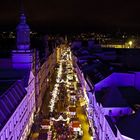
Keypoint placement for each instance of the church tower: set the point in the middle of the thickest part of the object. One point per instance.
(22, 57)
(23, 32)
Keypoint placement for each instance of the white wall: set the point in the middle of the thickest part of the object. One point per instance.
(14, 126)
(116, 111)
(115, 79)
(20, 122)
(126, 138)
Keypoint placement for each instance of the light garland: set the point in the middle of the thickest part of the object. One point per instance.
(59, 80)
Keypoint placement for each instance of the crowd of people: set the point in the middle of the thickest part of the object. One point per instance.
(62, 129)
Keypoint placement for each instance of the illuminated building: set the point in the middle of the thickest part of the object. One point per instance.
(17, 100)
(25, 76)
(113, 97)
(113, 44)
(116, 106)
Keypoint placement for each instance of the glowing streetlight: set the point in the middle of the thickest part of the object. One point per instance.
(130, 43)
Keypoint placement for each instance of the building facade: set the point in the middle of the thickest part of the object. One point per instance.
(113, 98)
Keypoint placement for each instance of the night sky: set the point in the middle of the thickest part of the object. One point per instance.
(73, 15)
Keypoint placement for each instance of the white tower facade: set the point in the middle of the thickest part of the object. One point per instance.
(22, 57)
(23, 34)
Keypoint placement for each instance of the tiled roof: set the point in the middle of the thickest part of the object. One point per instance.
(96, 71)
(10, 99)
(131, 94)
(113, 98)
(5, 85)
(15, 74)
(110, 97)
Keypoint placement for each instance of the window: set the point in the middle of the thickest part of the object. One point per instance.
(11, 126)
(2, 137)
(17, 117)
(7, 133)
(14, 120)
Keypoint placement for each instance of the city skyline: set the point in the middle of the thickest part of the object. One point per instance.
(55, 87)
(73, 15)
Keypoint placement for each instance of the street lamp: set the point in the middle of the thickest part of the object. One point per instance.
(130, 43)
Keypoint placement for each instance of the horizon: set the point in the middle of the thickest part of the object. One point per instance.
(73, 16)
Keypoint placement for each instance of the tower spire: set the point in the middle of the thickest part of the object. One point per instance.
(22, 57)
(22, 14)
(23, 30)
(21, 6)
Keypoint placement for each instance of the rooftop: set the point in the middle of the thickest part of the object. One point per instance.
(11, 74)
(131, 94)
(96, 71)
(130, 125)
(111, 97)
(10, 99)
(4, 85)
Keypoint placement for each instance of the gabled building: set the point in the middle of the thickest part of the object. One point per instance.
(18, 94)
(17, 103)
(113, 97)
(24, 77)
(117, 97)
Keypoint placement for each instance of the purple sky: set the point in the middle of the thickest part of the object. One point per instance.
(102, 14)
